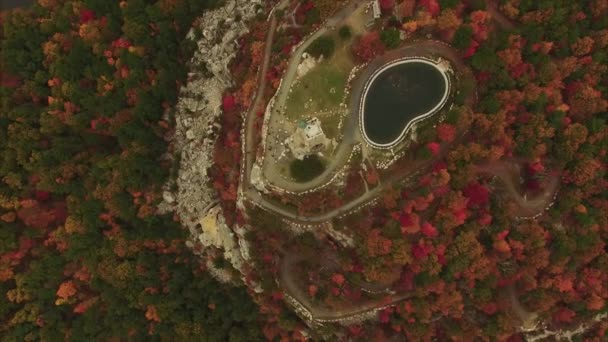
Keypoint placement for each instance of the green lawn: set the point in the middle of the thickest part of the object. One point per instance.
(330, 123)
(317, 86)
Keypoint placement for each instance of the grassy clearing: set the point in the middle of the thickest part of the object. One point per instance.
(313, 93)
(330, 124)
(322, 89)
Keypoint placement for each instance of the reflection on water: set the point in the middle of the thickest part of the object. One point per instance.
(402, 85)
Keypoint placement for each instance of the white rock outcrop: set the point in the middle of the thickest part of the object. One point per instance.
(306, 65)
(197, 112)
(257, 179)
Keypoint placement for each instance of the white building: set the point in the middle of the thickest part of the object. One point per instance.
(376, 9)
(307, 139)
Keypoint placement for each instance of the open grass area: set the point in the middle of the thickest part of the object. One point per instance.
(322, 89)
(331, 122)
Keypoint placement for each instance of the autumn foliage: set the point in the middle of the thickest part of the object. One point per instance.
(494, 215)
(84, 253)
(368, 46)
(484, 218)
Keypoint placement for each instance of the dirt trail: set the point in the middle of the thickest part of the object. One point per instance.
(250, 145)
(320, 314)
(529, 320)
(502, 170)
(508, 171)
(411, 49)
(566, 335)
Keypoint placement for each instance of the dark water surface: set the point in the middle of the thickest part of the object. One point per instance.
(398, 95)
(8, 4)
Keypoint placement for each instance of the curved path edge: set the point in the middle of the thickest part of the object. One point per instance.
(315, 314)
(319, 315)
(345, 147)
(361, 108)
(415, 48)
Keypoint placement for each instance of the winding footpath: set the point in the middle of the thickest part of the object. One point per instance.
(249, 148)
(344, 150)
(410, 49)
(294, 294)
(318, 314)
(506, 171)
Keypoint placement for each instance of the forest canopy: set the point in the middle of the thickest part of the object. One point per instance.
(86, 97)
(504, 224)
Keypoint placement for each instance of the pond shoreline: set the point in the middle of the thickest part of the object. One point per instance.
(387, 101)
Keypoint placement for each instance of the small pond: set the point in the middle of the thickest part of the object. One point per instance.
(398, 94)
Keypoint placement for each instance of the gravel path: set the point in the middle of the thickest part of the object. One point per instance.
(317, 313)
(505, 170)
(421, 48)
(269, 167)
(250, 117)
(321, 314)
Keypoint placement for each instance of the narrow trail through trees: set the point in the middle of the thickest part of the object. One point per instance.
(507, 171)
(319, 315)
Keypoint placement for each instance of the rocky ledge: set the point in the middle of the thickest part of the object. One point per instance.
(197, 124)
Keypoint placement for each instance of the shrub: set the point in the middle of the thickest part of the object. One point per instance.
(390, 38)
(313, 16)
(307, 169)
(322, 46)
(462, 37)
(345, 32)
(444, 4)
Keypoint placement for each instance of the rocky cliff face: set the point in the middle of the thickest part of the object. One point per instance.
(197, 113)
